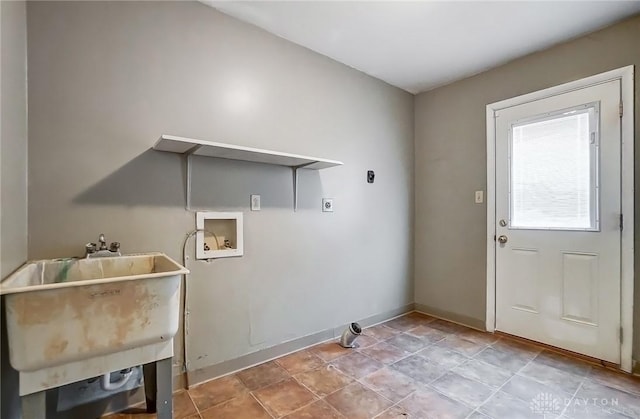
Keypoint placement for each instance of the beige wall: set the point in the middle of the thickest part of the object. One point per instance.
(450, 162)
(13, 172)
(107, 79)
(13, 137)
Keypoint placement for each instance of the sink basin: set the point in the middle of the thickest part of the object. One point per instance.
(61, 273)
(68, 317)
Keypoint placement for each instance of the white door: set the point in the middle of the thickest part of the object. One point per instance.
(558, 221)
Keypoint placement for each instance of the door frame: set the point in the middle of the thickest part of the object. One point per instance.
(625, 75)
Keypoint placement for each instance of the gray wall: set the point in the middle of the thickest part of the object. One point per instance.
(107, 79)
(13, 171)
(13, 136)
(450, 162)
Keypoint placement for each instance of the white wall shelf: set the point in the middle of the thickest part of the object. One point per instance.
(183, 145)
(192, 147)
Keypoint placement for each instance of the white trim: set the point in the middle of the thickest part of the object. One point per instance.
(625, 74)
(627, 247)
(491, 219)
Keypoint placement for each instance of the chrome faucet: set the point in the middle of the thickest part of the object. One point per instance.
(93, 251)
(103, 242)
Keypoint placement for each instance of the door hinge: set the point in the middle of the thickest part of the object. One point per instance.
(621, 329)
(494, 237)
(621, 109)
(621, 222)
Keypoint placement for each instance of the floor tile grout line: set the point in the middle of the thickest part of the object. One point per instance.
(575, 393)
(388, 337)
(604, 384)
(468, 358)
(492, 387)
(429, 344)
(452, 350)
(374, 390)
(302, 407)
(261, 405)
(335, 391)
(319, 397)
(431, 387)
(193, 402)
(355, 380)
(474, 358)
(548, 366)
(513, 341)
(333, 408)
(475, 411)
(502, 386)
(587, 376)
(395, 347)
(517, 373)
(247, 391)
(303, 385)
(587, 379)
(416, 381)
(398, 403)
(568, 372)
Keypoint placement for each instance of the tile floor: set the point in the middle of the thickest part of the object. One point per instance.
(415, 366)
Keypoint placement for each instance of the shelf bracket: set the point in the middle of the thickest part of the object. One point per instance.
(189, 146)
(295, 183)
(188, 156)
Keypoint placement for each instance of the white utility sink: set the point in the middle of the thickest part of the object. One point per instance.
(71, 319)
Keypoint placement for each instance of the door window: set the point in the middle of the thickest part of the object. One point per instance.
(553, 170)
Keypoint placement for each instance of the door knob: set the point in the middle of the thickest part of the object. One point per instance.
(502, 239)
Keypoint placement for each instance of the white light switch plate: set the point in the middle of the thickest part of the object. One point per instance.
(255, 202)
(327, 204)
(479, 197)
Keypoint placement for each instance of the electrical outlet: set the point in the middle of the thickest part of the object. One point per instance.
(479, 197)
(255, 202)
(327, 204)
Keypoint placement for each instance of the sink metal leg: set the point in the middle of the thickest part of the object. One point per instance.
(34, 406)
(158, 388)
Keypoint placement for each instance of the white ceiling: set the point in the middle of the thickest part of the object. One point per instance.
(420, 45)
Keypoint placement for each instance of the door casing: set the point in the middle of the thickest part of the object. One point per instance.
(625, 75)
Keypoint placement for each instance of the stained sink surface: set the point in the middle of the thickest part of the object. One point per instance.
(61, 273)
(64, 311)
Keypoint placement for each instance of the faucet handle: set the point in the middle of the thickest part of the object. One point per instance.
(114, 246)
(90, 248)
